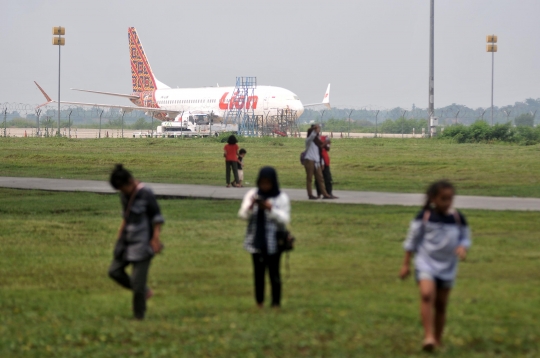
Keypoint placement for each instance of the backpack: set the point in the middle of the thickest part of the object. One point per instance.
(302, 157)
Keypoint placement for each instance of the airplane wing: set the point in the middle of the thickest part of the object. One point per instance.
(130, 96)
(325, 101)
(124, 108)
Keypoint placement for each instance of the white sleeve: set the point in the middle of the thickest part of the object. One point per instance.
(465, 239)
(281, 210)
(414, 236)
(245, 210)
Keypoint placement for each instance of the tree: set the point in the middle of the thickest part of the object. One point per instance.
(524, 120)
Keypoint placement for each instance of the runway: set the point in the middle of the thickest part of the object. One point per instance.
(215, 192)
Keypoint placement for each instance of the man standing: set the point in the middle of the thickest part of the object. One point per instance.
(312, 162)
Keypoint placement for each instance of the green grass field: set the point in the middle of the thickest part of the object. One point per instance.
(394, 165)
(342, 299)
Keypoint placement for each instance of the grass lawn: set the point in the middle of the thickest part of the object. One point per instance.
(394, 165)
(342, 299)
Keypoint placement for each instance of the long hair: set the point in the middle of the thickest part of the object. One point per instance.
(232, 140)
(434, 190)
(120, 176)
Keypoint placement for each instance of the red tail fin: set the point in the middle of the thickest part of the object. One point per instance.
(142, 77)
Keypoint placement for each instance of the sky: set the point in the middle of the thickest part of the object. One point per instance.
(374, 52)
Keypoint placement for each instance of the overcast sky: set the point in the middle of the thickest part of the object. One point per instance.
(374, 52)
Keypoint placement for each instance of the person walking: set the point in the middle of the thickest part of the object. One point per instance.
(138, 237)
(230, 152)
(312, 163)
(267, 210)
(327, 174)
(438, 237)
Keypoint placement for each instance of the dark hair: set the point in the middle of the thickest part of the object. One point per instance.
(120, 177)
(434, 190)
(232, 140)
(309, 131)
(242, 151)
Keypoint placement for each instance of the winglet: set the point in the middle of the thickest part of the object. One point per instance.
(49, 100)
(326, 99)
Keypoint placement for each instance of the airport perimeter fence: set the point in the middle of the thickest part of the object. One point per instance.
(19, 119)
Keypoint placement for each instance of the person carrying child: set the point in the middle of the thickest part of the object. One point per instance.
(138, 237)
(437, 237)
(241, 154)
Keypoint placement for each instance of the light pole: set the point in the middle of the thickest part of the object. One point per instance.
(38, 113)
(431, 109)
(402, 122)
(376, 118)
(349, 135)
(69, 124)
(59, 41)
(492, 47)
(507, 115)
(100, 114)
(483, 113)
(457, 114)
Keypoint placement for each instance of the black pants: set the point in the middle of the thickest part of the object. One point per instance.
(136, 283)
(327, 175)
(260, 263)
(234, 166)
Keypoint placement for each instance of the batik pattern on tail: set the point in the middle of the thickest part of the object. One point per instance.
(141, 74)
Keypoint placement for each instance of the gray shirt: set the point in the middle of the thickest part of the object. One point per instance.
(144, 214)
(312, 149)
(435, 241)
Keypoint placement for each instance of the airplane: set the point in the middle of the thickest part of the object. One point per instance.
(172, 104)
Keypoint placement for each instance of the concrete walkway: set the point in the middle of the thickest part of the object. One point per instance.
(214, 192)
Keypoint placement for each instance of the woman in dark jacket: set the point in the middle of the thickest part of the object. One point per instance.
(267, 210)
(138, 237)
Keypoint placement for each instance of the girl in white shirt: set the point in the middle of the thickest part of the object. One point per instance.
(438, 237)
(266, 209)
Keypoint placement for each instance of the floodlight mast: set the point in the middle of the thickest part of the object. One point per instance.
(59, 41)
(492, 47)
(431, 109)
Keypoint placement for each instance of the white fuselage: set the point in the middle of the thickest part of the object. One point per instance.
(218, 100)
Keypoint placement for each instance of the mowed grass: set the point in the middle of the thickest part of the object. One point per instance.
(396, 165)
(341, 299)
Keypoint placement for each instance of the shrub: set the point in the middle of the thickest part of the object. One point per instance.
(481, 132)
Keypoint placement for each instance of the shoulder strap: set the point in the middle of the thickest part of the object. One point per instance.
(457, 217)
(131, 199)
(427, 215)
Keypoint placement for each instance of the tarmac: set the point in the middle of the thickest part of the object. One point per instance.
(223, 193)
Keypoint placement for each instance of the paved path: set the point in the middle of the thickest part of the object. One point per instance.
(213, 192)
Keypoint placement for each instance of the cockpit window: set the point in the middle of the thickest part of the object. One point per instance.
(296, 98)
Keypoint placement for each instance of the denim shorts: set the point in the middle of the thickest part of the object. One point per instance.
(440, 284)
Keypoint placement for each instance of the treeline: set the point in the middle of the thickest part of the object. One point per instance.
(447, 115)
(389, 126)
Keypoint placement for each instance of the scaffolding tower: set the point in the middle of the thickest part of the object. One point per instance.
(241, 107)
(282, 122)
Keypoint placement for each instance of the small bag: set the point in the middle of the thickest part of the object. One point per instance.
(302, 157)
(285, 240)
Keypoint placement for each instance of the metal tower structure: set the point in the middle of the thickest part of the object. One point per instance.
(241, 109)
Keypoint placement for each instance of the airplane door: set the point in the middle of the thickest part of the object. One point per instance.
(265, 103)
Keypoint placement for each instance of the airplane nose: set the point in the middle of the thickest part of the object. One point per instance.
(299, 108)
